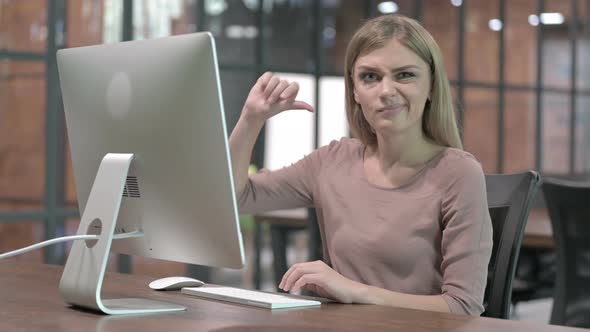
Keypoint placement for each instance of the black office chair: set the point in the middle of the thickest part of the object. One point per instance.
(568, 203)
(509, 201)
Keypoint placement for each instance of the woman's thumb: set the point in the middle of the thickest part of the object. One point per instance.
(301, 105)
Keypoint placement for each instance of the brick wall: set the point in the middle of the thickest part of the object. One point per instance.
(22, 98)
(22, 109)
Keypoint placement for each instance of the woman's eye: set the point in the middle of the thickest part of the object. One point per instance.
(369, 77)
(405, 74)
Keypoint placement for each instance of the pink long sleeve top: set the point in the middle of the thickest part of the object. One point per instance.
(431, 236)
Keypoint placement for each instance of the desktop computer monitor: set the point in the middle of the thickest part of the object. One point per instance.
(148, 140)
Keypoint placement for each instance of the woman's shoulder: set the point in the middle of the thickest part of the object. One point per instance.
(342, 148)
(456, 164)
(337, 152)
(454, 155)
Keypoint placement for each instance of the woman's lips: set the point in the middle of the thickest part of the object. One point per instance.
(394, 109)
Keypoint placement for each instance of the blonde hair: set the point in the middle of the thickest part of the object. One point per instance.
(438, 122)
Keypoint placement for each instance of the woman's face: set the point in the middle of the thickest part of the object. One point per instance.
(392, 85)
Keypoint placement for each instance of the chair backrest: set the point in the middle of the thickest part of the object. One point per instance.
(510, 199)
(568, 204)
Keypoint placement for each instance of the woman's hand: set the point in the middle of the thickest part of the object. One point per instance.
(321, 279)
(270, 96)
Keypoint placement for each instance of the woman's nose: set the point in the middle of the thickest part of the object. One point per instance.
(388, 88)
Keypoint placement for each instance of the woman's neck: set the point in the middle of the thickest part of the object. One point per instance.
(408, 150)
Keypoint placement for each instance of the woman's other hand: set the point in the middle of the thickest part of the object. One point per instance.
(320, 278)
(270, 96)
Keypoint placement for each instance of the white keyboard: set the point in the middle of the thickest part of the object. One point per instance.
(249, 297)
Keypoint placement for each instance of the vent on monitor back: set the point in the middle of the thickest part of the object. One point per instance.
(131, 187)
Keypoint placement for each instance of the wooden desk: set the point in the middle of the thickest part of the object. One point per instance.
(29, 301)
(538, 232)
(293, 217)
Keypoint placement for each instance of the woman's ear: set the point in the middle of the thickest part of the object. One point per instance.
(356, 96)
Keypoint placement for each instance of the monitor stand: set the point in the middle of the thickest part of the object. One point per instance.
(83, 274)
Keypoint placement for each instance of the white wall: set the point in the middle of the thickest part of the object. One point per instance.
(290, 135)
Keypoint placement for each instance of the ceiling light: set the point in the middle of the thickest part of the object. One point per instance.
(387, 7)
(546, 18)
(215, 7)
(552, 18)
(495, 24)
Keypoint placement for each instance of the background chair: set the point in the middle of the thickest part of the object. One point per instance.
(568, 204)
(282, 224)
(537, 264)
(509, 201)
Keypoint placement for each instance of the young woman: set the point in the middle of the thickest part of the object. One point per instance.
(402, 209)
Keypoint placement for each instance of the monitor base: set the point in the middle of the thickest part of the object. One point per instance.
(83, 274)
(138, 306)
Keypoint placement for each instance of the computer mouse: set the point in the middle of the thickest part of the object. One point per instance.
(175, 283)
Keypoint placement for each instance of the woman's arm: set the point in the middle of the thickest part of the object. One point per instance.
(466, 243)
(323, 280)
(241, 144)
(375, 295)
(268, 97)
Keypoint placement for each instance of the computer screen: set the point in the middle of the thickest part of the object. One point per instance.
(158, 101)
